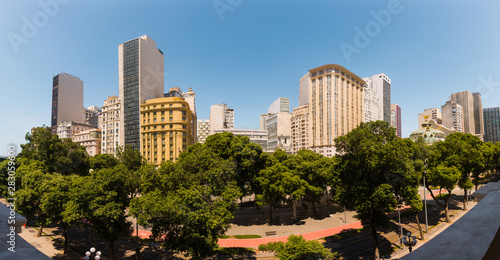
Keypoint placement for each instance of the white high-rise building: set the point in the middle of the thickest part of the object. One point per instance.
(453, 116)
(377, 98)
(300, 128)
(110, 125)
(203, 130)
(221, 117)
(140, 77)
(281, 104)
(91, 115)
(67, 100)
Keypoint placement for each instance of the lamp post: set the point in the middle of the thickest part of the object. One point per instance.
(425, 199)
(409, 240)
(90, 252)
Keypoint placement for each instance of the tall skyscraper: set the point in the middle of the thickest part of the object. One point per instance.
(377, 98)
(396, 119)
(67, 100)
(473, 111)
(433, 114)
(111, 125)
(491, 124)
(336, 104)
(221, 117)
(304, 89)
(453, 116)
(141, 77)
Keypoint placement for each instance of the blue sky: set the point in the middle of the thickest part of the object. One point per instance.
(246, 53)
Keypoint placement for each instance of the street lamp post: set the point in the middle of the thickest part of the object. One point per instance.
(90, 252)
(425, 199)
(409, 240)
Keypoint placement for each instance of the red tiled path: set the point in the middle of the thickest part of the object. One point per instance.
(255, 242)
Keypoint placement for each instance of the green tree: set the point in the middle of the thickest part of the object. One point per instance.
(465, 151)
(101, 199)
(103, 161)
(54, 201)
(33, 177)
(316, 171)
(297, 248)
(131, 158)
(272, 182)
(183, 211)
(61, 156)
(362, 169)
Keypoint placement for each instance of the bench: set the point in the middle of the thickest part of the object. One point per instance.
(270, 233)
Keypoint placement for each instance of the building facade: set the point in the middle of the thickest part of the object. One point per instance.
(110, 125)
(453, 116)
(472, 110)
(300, 128)
(203, 130)
(90, 139)
(396, 119)
(378, 98)
(140, 77)
(281, 104)
(279, 131)
(336, 103)
(221, 117)
(255, 136)
(491, 124)
(166, 129)
(91, 115)
(67, 100)
(70, 128)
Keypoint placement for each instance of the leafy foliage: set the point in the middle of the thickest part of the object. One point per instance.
(297, 248)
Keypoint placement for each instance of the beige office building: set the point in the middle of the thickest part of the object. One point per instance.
(472, 110)
(67, 100)
(221, 117)
(69, 129)
(300, 128)
(141, 77)
(90, 139)
(336, 101)
(166, 129)
(453, 116)
(203, 130)
(432, 113)
(110, 125)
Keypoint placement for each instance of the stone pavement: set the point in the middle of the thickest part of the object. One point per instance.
(21, 247)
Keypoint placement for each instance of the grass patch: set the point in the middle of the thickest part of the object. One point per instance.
(224, 236)
(246, 236)
(444, 196)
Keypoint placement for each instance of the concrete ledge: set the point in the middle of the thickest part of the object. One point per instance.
(483, 191)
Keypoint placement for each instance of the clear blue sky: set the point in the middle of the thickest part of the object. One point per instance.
(248, 53)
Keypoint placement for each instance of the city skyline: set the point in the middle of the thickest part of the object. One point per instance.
(245, 60)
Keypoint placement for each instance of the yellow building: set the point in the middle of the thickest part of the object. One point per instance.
(166, 128)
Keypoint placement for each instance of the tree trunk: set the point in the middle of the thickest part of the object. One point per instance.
(375, 240)
(112, 250)
(465, 199)
(241, 203)
(270, 214)
(40, 231)
(65, 233)
(419, 227)
(446, 211)
(295, 209)
(314, 210)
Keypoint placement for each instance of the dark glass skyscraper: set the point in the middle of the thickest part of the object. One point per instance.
(491, 124)
(141, 77)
